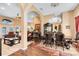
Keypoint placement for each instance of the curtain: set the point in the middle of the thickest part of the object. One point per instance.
(77, 23)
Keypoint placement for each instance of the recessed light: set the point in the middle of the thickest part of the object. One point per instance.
(8, 4)
(2, 8)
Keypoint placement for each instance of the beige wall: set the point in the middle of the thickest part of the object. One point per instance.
(69, 19)
(72, 25)
(35, 20)
(46, 18)
(66, 22)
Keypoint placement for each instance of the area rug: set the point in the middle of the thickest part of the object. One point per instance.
(51, 52)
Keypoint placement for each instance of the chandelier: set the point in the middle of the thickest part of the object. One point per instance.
(55, 20)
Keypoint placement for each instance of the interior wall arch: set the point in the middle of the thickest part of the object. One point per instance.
(33, 19)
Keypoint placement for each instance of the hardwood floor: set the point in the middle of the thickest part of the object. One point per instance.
(31, 51)
(18, 53)
(35, 52)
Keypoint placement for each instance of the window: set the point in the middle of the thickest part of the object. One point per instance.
(4, 30)
(11, 29)
(6, 21)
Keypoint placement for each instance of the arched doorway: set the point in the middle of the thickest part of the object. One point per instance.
(47, 27)
(33, 24)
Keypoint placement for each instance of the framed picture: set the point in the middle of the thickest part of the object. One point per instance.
(67, 27)
(37, 26)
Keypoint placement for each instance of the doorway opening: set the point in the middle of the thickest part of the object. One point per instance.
(34, 26)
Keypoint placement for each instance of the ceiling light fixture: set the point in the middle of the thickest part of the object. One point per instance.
(54, 4)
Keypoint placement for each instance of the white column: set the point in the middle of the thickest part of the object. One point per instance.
(0, 32)
(42, 25)
(24, 40)
(25, 31)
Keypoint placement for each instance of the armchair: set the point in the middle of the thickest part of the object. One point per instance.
(59, 39)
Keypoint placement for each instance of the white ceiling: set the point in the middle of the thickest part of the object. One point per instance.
(46, 8)
(9, 9)
(12, 9)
